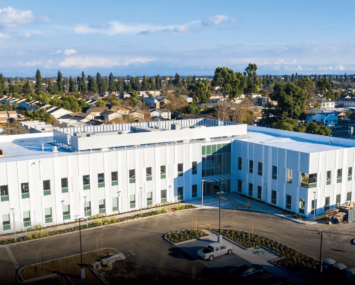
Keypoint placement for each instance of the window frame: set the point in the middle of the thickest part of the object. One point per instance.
(194, 168)
(329, 177)
(48, 217)
(241, 185)
(350, 173)
(260, 192)
(309, 180)
(114, 181)
(274, 173)
(86, 186)
(251, 166)
(132, 203)
(87, 209)
(102, 209)
(260, 172)
(326, 203)
(4, 192)
(194, 191)
(115, 207)
(288, 203)
(46, 192)
(27, 220)
(289, 177)
(66, 214)
(101, 180)
(339, 175)
(162, 171)
(162, 198)
(65, 189)
(239, 163)
(273, 200)
(347, 196)
(180, 169)
(150, 199)
(250, 189)
(148, 174)
(132, 176)
(301, 209)
(180, 193)
(6, 222)
(313, 206)
(25, 194)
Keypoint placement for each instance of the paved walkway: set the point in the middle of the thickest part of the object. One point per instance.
(239, 202)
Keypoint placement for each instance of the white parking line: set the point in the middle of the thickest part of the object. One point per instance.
(12, 257)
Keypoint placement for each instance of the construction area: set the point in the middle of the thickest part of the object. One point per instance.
(343, 214)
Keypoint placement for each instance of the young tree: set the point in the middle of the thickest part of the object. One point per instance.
(100, 103)
(38, 86)
(100, 83)
(200, 91)
(253, 81)
(26, 88)
(50, 88)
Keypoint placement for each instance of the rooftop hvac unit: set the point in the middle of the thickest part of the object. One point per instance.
(176, 127)
(55, 149)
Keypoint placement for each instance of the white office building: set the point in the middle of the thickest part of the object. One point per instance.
(56, 177)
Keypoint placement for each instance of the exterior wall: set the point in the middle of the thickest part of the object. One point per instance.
(73, 167)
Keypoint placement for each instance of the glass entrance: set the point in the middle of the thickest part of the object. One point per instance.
(209, 189)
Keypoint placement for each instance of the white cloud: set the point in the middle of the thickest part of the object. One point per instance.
(30, 63)
(48, 63)
(218, 19)
(4, 36)
(105, 62)
(45, 19)
(70, 51)
(56, 52)
(282, 61)
(10, 18)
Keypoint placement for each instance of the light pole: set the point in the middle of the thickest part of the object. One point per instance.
(320, 253)
(266, 193)
(220, 236)
(141, 201)
(82, 270)
(63, 210)
(118, 200)
(13, 217)
(314, 205)
(86, 217)
(203, 182)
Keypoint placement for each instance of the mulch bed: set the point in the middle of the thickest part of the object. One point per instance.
(184, 235)
(293, 260)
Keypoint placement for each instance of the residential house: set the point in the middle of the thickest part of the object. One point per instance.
(58, 112)
(136, 115)
(121, 111)
(96, 111)
(324, 117)
(156, 102)
(326, 104)
(3, 117)
(75, 119)
(110, 115)
(188, 98)
(12, 114)
(124, 95)
(161, 113)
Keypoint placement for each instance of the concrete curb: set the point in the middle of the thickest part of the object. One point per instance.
(186, 241)
(114, 224)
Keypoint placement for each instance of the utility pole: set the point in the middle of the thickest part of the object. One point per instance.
(220, 236)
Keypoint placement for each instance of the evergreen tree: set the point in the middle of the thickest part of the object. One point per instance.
(106, 84)
(100, 83)
(111, 83)
(26, 88)
(92, 86)
(144, 83)
(2, 84)
(50, 87)
(59, 84)
(177, 80)
(128, 87)
(151, 82)
(253, 81)
(158, 82)
(83, 87)
(72, 87)
(137, 84)
(120, 85)
(38, 86)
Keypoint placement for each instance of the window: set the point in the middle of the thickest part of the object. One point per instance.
(329, 177)
(148, 172)
(194, 191)
(260, 168)
(87, 209)
(114, 178)
(66, 212)
(162, 172)
(132, 201)
(149, 198)
(338, 200)
(203, 150)
(217, 161)
(289, 176)
(26, 219)
(259, 192)
(348, 196)
(194, 167)
(239, 163)
(4, 193)
(114, 204)
(25, 191)
(326, 204)
(274, 172)
(163, 196)
(180, 169)
(288, 201)
(273, 197)
(250, 189)
(101, 180)
(314, 206)
(132, 176)
(64, 185)
(350, 173)
(308, 180)
(339, 175)
(46, 187)
(239, 185)
(301, 206)
(48, 215)
(86, 182)
(180, 194)
(6, 222)
(102, 206)
(251, 166)
(209, 149)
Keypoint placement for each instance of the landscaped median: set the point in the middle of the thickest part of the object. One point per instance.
(184, 236)
(292, 260)
(96, 223)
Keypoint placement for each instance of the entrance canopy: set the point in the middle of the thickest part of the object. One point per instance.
(217, 178)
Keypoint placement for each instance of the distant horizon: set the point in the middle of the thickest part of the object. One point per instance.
(164, 38)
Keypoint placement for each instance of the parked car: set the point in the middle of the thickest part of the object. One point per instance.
(248, 271)
(213, 250)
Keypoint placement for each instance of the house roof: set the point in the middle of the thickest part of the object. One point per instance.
(12, 112)
(116, 108)
(97, 109)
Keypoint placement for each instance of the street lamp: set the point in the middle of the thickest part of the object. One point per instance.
(118, 200)
(86, 217)
(63, 210)
(266, 193)
(13, 217)
(314, 205)
(82, 270)
(220, 236)
(203, 182)
(320, 254)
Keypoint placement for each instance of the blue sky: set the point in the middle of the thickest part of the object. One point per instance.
(165, 37)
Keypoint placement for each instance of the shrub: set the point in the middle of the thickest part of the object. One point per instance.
(164, 210)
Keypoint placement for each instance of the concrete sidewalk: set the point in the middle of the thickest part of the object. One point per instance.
(236, 201)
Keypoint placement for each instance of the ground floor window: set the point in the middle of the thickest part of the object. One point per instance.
(239, 185)
(327, 203)
(87, 209)
(6, 222)
(102, 206)
(4, 193)
(163, 196)
(338, 200)
(314, 206)
(48, 215)
(25, 191)
(212, 188)
(26, 219)
(180, 193)
(194, 191)
(250, 189)
(301, 206)
(288, 201)
(149, 198)
(273, 197)
(348, 196)
(66, 212)
(132, 201)
(115, 204)
(259, 192)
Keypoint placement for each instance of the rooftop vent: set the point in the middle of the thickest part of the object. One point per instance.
(55, 149)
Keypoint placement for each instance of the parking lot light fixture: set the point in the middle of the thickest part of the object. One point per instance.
(320, 254)
(13, 218)
(220, 236)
